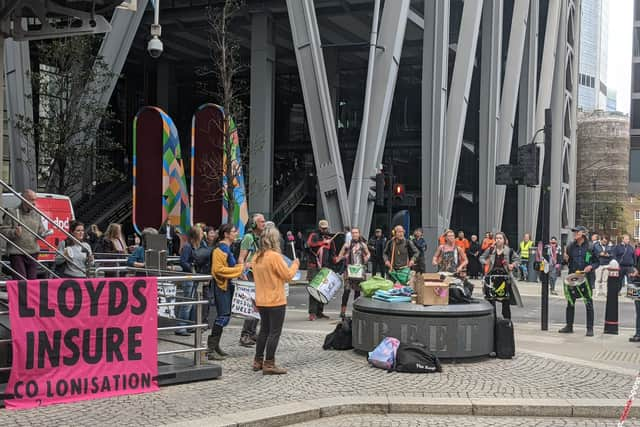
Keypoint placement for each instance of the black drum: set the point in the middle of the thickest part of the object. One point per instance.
(576, 287)
(497, 285)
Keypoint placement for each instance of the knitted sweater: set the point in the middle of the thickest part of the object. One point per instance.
(270, 273)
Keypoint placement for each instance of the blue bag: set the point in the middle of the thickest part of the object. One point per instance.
(384, 355)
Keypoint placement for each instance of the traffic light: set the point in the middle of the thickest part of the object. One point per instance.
(529, 164)
(398, 191)
(380, 189)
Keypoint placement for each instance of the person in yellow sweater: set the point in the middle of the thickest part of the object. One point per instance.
(270, 272)
(223, 269)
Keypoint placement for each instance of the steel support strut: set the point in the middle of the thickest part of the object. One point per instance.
(509, 102)
(459, 101)
(527, 108)
(491, 78)
(372, 138)
(22, 151)
(435, 64)
(543, 102)
(320, 116)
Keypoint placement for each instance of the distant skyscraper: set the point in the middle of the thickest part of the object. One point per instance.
(593, 93)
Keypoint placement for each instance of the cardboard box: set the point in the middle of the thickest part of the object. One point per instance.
(435, 293)
(430, 292)
(432, 277)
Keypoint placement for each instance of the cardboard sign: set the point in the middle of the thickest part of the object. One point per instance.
(167, 294)
(80, 339)
(243, 303)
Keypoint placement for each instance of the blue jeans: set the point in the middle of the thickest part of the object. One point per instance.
(637, 302)
(223, 304)
(184, 311)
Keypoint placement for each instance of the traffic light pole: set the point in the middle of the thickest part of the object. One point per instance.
(545, 208)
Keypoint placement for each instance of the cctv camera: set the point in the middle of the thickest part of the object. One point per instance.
(155, 47)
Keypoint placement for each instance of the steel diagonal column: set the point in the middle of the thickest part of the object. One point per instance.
(490, 78)
(543, 102)
(435, 65)
(527, 108)
(18, 89)
(574, 46)
(116, 43)
(317, 100)
(509, 101)
(459, 101)
(262, 119)
(558, 129)
(385, 73)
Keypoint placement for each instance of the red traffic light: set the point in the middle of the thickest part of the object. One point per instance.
(398, 190)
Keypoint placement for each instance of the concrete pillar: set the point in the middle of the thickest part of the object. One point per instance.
(262, 116)
(18, 98)
(163, 81)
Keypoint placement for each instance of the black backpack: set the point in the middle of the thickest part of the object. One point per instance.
(340, 338)
(202, 259)
(414, 358)
(461, 294)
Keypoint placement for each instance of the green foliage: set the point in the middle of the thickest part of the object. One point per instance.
(70, 130)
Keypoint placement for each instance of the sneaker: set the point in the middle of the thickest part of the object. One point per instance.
(589, 332)
(246, 341)
(182, 333)
(635, 338)
(554, 293)
(312, 317)
(323, 316)
(566, 330)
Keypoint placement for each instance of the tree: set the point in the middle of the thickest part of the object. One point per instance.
(71, 132)
(228, 90)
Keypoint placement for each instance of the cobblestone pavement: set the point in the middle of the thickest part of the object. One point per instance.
(410, 420)
(314, 373)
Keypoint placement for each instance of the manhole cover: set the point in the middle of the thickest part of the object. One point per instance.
(618, 356)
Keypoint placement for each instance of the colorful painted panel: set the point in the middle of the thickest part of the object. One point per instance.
(175, 196)
(207, 133)
(159, 185)
(239, 215)
(147, 168)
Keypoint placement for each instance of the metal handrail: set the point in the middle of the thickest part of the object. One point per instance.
(196, 348)
(26, 254)
(42, 214)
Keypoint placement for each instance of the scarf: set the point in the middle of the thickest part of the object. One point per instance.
(231, 260)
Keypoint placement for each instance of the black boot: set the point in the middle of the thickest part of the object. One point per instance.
(213, 344)
(570, 313)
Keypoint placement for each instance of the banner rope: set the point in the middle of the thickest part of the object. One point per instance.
(632, 396)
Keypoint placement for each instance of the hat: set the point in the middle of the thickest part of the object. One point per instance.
(579, 228)
(323, 223)
(553, 238)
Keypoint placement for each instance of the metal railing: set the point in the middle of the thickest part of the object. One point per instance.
(198, 301)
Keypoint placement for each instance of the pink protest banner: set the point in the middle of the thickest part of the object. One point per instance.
(79, 339)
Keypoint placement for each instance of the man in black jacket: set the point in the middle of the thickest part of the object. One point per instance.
(376, 247)
(580, 257)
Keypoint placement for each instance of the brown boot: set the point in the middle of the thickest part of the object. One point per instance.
(258, 364)
(269, 368)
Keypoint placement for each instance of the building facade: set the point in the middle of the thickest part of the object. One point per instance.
(448, 91)
(634, 155)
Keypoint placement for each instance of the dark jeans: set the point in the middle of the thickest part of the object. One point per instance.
(345, 296)
(378, 267)
(571, 310)
(223, 304)
(24, 266)
(249, 328)
(637, 303)
(315, 306)
(186, 312)
(270, 329)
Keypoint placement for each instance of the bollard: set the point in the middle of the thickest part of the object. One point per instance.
(611, 322)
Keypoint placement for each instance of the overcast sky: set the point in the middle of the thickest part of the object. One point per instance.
(620, 39)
